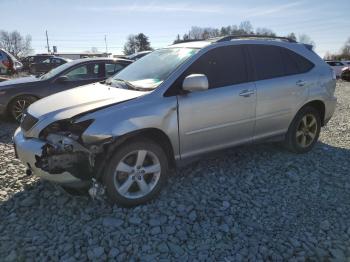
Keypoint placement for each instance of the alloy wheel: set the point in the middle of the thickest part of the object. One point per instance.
(307, 130)
(137, 174)
(19, 107)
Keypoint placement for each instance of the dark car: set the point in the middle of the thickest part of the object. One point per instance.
(27, 61)
(8, 63)
(47, 64)
(17, 94)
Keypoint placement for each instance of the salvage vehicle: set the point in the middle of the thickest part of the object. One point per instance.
(17, 94)
(175, 104)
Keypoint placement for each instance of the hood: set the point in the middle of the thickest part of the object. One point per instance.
(78, 100)
(21, 80)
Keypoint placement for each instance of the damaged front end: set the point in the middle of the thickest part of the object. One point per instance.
(65, 152)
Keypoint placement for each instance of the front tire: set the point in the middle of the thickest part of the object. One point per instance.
(304, 130)
(136, 173)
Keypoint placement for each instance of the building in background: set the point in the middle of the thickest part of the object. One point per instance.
(78, 55)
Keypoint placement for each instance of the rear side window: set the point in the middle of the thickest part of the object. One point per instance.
(294, 63)
(273, 61)
(268, 61)
(223, 66)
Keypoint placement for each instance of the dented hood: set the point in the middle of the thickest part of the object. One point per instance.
(78, 100)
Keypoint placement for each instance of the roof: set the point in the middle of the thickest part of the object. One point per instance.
(82, 60)
(206, 42)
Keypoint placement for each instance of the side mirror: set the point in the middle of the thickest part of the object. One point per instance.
(62, 79)
(195, 82)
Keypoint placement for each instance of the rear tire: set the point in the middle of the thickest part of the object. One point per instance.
(304, 130)
(136, 173)
(18, 105)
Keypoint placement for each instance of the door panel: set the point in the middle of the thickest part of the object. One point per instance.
(276, 102)
(216, 118)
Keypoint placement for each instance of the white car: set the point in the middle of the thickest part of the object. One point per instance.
(338, 67)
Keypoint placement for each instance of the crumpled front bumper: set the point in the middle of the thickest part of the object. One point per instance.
(28, 148)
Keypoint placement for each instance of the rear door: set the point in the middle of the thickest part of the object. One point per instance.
(282, 86)
(224, 114)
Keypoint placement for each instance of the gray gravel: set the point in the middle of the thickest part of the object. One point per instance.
(250, 203)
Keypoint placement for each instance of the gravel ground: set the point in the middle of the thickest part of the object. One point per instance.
(250, 203)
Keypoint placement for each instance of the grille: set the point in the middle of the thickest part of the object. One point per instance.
(28, 122)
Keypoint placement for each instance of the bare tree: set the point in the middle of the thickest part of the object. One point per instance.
(305, 39)
(264, 31)
(137, 43)
(246, 27)
(15, 43)
(292, 36)
(346, 49)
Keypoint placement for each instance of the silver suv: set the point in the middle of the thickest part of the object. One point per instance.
(174, 104)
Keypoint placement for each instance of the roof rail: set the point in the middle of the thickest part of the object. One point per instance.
(230, 37)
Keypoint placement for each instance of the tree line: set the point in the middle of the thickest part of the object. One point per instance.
(344, 53)
(244, 28)
(15, 43)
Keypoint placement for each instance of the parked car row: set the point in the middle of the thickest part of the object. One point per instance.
(339, 67)
(17, 94)
(172, 105)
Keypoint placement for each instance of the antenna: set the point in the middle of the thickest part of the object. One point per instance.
(106, 44)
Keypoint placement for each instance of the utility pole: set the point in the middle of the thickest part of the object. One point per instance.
(47, 42)
(106, 44)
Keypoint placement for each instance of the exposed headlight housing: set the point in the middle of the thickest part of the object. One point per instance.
(66, 127)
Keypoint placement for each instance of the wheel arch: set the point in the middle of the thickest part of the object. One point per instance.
(17, 96)
(154, 134)
(320, 106)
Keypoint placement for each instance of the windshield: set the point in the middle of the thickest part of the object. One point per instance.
(55, 71)
(151, 70)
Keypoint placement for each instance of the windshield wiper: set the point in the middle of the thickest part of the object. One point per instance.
(127, 83)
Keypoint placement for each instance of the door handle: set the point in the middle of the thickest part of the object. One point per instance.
(246, 93)
(301, 83)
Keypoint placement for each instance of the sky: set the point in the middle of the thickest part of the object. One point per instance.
(77, 25)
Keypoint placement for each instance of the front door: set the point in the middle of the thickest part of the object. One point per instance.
(224, 114)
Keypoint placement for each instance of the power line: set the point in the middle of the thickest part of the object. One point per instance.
(47, 41)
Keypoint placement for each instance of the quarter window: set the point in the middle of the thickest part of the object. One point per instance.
(302, 63)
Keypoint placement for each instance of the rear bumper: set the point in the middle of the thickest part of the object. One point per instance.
(27, 149)
(330, 108)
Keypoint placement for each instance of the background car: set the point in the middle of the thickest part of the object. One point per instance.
(27, 61)
(17, 94)
(8, 63)
(47, 64)
(345, 75)
(337, 66)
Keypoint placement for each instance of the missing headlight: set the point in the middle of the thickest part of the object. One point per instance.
(67, 128)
